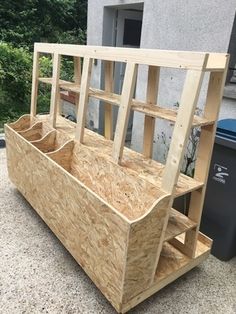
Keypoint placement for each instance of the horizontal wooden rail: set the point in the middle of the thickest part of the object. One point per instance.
(140, 106)
(178, 224)
(163, 58)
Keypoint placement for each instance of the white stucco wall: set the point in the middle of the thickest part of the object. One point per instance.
(197, 25)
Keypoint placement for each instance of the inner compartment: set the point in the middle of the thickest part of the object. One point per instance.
(127, 193)
(35, 132)
(50, 142)
(23, 123)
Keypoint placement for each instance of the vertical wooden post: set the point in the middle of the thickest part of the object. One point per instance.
(124, 110)
(77, 80)
(151, 98)
(83, 99)
(205, 147)
(55, 88)
(182, 129)
(109, 86)
(34, 90)
(180, 136)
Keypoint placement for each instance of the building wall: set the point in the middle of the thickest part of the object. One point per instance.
(197, 25)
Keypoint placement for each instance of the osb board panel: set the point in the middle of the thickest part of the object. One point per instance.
(149, 170)
(177, 224)
(33, 133)
(91, 231)
(129, 194)
(63, 156)
(145, 238)
(172, 265)
(172, 259)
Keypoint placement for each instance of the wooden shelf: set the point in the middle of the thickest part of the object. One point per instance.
(139, 106)
(147, 169)
(120, 199)
(172, 261)
(177, 224)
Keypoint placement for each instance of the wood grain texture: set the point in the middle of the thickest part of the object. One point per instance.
(34, 90)
(92, 232)
(33, 133)
(83, 99)
(108, 205)
(144, 242)
(124, 110)
(109, 86)
(182, 128)
(47, 142)
(150, 110)
(151, 98)
(171, 259)
(147, 169)
(55, 93)
(163, 58)
(130, 195)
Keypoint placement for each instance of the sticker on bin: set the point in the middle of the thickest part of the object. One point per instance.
(220, 173)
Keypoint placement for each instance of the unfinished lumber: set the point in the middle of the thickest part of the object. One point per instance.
(112, 207)
(124, 110)
(83, 99)
(149, 121)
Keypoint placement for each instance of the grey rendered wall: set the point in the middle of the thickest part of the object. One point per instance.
(179, 25)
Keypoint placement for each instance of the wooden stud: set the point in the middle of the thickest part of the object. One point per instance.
(151, 99)
(83, 99)
(55, 93)
(119, 226)
(77, 80)
(205, 147)
(34, 90)
(124, 110)
(182, 128)
(109, 86)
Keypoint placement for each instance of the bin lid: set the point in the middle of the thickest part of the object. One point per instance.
(226, 128)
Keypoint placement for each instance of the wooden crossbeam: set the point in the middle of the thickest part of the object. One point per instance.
(205, 147)
(83, 99)
(124, 110)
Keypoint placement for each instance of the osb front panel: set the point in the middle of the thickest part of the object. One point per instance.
(92, 232)
(145, 241)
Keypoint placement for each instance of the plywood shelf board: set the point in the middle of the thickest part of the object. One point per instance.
(178, 223)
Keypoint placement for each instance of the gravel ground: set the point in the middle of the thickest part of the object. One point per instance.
(38, 275)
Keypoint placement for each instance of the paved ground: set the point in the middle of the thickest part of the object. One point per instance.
(37, 275)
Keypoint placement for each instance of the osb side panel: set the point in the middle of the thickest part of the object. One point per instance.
(144, 241)
(125, 191)
(93, 233)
